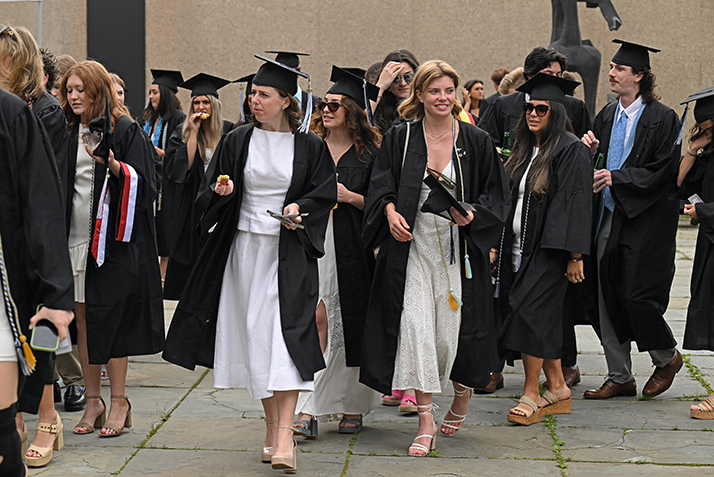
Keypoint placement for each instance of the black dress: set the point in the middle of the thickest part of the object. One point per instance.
(192, 335)
(124, 307)
(187, 182)
(699, 332)
(554, 226)
(486, 189)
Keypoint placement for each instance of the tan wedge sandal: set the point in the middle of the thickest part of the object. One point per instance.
(286, 462)
(267, 452)
(127, 421)
(98, 422)
(46, 452)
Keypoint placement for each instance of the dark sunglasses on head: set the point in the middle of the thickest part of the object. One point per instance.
(408, 77)
(541, 110)
(332, 106)
(10, 32)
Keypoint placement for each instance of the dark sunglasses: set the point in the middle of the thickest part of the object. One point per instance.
(332, 106)
(541, 110)
(408, 77)
(10, 32)
(445, 181)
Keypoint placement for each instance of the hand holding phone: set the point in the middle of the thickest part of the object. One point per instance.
(44, 336)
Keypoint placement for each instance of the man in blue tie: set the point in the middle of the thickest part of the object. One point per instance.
(635, 225)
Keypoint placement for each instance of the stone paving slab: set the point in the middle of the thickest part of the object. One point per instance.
(85, 461)
(578, 469)
(362, 466)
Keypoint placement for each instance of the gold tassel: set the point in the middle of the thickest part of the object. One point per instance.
(29, 357)
(454, 302)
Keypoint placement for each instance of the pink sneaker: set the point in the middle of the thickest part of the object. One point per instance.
(394, 399)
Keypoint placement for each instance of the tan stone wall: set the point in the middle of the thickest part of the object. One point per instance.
(475, 36)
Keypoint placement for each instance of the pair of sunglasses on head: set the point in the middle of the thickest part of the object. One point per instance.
(10, 32)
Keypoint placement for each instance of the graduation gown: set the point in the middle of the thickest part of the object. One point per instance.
(169, 193)
(556, 225)
(124, 308)
(504, 112)
(187, 244)
(192, 335)
(49, 111)
(355, 264)
(486, 189)
(637, 267)
(699, 331)
(32, 224)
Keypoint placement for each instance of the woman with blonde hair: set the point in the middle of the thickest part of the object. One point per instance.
(429, 314)
(118, 302)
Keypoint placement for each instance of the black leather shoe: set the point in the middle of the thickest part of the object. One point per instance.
(75, 398)
(58, 392)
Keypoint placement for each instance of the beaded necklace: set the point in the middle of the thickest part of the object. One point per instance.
(454, 301)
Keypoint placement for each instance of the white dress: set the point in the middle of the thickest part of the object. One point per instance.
(81, 215)
(429, 327)
(250, 349)
(518, 214)
(337, 387)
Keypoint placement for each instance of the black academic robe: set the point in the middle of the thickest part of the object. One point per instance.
(699, 331)
(32, 225)
(486, 189)
(187, 244)
(555, 225)
(169, 193)
(637, 268)
(124, 308)
(503, 114)
(355, 264)
(192, 335)
(49, 111)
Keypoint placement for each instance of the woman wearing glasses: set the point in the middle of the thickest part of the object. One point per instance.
(395, 77)
(550, 173)
(346, 269)
(429, 317)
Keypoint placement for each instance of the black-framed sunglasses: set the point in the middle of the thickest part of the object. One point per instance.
(408, 77)
(10, 32)
(541, 110)
(332, 106)
(445, 181)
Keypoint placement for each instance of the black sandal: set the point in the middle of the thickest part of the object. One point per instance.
(342, 429)
(308, 429)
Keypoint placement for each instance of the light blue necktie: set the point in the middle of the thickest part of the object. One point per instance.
(615, 156)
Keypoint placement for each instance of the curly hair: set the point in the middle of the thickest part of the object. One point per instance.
(647, 84)
(357, 126)
(49, 64)
(292, 112)
(25, 77)
(412, 108)
(540, 58)
(695, 133)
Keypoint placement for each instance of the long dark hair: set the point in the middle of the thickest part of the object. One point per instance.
(360, 131)
(648, 83)
(696, 132)
(168, 103)
(386, 111)
(524, 143)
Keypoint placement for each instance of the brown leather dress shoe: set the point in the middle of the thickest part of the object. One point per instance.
(611, 389)
(571, 374)
(662, 378)
(495, 383)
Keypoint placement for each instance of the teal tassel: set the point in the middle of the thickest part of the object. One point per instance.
(468, 267)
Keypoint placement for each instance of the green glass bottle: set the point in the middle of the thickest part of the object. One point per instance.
(506, 148)
(599, 162)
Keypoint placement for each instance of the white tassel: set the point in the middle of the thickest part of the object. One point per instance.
(240, 101)
(367, 104)
(684, 126)
(305, 127)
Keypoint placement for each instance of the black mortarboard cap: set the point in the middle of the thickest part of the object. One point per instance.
(289, 58)
(204, 85)
(248, 79)
(440, 200)
(545, 87)
(170, 79)
(704, 107)
(632, 54)
(277, 75)
(352, 86)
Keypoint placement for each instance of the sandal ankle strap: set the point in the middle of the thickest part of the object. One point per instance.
(428, 408)
(464, 392)
(119, 397)
(285, 427)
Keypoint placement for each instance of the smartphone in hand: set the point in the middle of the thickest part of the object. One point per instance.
(44, 336)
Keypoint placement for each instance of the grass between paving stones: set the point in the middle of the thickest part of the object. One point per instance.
(551, 423)
(164, 417)
(349, 454)
(695, 373)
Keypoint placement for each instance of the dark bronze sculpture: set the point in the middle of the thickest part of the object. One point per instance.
(583, 57)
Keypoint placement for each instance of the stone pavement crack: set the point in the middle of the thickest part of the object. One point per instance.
(164, 417)
(349, 454)
(551, 423)
(695, 373)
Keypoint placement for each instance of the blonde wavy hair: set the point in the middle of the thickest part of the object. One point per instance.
(427, 72)
(512, 80)
(25, 76)
(214, 124)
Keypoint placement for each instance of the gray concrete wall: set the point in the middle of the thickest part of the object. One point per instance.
(475, 36)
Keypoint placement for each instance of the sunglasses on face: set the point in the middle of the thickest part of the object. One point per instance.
(408, 77)
(541, 110)
(10, 32)
(332, 106)
(444, 180)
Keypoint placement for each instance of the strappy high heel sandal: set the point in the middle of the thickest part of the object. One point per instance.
(98, 421)
(46, 452)
(127, 421)
(420, 450)
(457, 423)
(267, 452)
(23, 438)
(286, 462)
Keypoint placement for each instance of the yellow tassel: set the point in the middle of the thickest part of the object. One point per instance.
(454, 302)
(29, 357)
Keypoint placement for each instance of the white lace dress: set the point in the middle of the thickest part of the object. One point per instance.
(429, 328)
(80, 226)
(337, 387)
